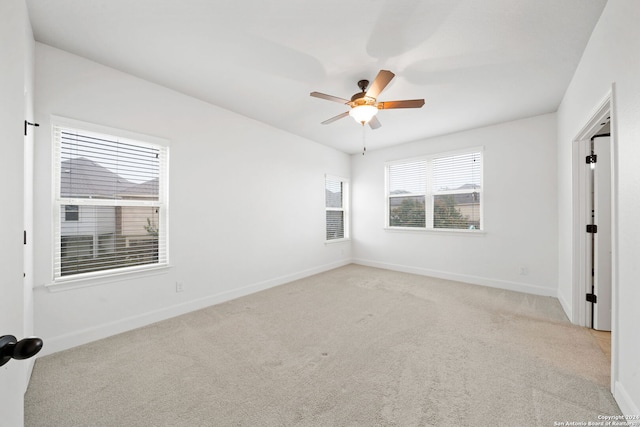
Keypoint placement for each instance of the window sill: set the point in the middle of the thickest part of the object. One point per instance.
(331, 242)
(65, 284)
(442, 231)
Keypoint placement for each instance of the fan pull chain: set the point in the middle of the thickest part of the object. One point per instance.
(364, 145)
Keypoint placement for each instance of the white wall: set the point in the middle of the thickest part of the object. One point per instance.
(519, 211)
(246, 201)
(612, 56)
(16, 67)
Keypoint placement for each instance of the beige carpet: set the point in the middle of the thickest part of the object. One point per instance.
(355, 346)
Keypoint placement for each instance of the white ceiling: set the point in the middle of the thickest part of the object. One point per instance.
(475, 62)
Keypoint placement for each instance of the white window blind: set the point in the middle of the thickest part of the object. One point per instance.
(407, 191)
(336, 200)
(442, 191)
(110, 203)
(456, 191)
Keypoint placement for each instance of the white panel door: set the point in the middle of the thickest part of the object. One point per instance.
(13, 17)
(602, 239)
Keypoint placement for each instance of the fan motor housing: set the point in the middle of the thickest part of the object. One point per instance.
(361, 98)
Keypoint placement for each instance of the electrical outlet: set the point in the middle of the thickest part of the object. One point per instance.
(179, 286)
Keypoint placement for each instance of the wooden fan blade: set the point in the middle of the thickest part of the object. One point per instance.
(409, 103)
(374, 123)
(329, 97)
(382, 80)
(334, 118)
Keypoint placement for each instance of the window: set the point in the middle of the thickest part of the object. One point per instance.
(71, 213)
(110, 208)
(336, 201)
(437, 192)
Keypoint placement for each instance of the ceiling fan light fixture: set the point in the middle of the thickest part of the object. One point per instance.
(364, 104)
(363, 113)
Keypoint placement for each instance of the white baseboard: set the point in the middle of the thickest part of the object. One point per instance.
(28, 371)
(84, 336)
(626, 404)
(475, 280)
(565, 306)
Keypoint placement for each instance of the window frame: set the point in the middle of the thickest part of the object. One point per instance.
(162, 205)
(429, 193)
(344, 209)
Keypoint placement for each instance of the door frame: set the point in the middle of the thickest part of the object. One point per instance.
(605, 109)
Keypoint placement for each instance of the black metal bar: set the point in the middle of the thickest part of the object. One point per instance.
(26, 123)
(593, 307)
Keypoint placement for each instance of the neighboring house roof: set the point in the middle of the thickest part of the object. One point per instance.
(144, 189)
(395, 192)
(468, 187)
(462, 187)
(459, 199)
(82, 177)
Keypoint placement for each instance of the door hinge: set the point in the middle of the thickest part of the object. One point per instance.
(26, 123)
(592, 228)
(592, 298)
(592, 158)
(25, 237)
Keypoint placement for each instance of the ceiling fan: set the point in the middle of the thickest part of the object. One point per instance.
(364, 105)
